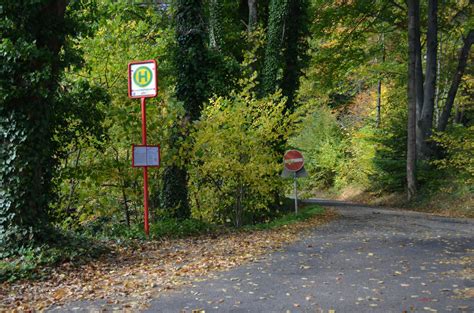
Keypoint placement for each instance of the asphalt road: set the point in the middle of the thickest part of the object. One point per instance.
(369, 260)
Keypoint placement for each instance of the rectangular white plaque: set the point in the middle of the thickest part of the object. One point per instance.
(146, 156)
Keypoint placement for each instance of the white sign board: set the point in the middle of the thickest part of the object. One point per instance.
(146, 156)
(142, 80)
(152, 156)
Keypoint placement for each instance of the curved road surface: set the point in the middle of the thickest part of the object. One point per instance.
(368, 260)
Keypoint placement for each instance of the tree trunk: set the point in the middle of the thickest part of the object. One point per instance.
(252, 15)
(379, 87)
(215, 29)
(28, 154)
(55, 10)
(191, 58)
(425, 122)
(379, 102)
(273, 58)
(125, 206)
(175, 192)
(459, 114)
(239, 209)
(192, 86)
(418, 72)
(438, 71)
(73, 183)
(413, 42)
(294, 49)
(462, 62)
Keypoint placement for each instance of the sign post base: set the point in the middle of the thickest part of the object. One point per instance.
(296, 193)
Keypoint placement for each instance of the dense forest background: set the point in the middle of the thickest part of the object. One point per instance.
(376, 94)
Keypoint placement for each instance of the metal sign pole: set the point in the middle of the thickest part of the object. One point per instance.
(296, 194)
(145, 168)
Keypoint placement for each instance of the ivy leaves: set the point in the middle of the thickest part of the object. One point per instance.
(38, 115)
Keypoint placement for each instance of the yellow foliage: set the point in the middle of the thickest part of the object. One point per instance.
(234, 168)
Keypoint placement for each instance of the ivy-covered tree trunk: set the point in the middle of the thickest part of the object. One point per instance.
(273, 57)
(215, 24)
(32, 36)
(192, 89)
(295, 48)
(286, 47)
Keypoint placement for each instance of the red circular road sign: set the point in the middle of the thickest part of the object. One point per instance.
(293, 160)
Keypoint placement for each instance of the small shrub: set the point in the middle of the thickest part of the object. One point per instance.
(235, 169)
(322, 143)
(458, 145)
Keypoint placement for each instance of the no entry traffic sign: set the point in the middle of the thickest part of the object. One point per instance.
(293, 160)
(142, 80)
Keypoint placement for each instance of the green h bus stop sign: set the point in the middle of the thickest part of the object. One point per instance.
(142, 80)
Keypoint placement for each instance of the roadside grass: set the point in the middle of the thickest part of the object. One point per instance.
(449, 198)
(304, 213)
(168, 228)
(89, 244)
(453, 201)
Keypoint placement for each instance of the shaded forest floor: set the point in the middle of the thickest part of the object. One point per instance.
(132, 274)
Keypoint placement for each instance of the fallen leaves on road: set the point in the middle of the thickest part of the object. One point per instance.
(467, 262)
(130, 276)
(467, 273)
(466, 293)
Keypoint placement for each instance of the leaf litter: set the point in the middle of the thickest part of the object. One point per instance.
(131, 275)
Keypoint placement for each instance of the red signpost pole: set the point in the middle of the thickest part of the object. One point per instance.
(145, 168)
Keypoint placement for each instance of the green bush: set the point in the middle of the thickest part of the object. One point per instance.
(390, 159)
(234, 170)
(390, 141)
(358, 165)
(322, 143)
(458, 145)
